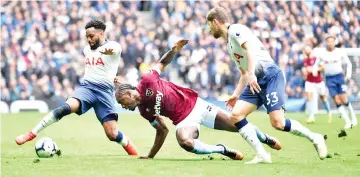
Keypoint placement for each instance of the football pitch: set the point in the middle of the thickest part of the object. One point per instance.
(86, 151)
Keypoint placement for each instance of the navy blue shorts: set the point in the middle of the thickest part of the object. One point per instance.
(336, 84)
(102, 100)
(272, 93)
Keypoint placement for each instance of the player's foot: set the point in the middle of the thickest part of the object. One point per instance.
(329, 118)
(320, 146)
(130, 148)
(21, 139)
(310, 120)
(354, 122)
(231, 153)
(260, 158)
(272, 142)
(347, 126)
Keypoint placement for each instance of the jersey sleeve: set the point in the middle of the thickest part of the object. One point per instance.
(152, 75)
(117, 49)
(85, 50)
(345, 60)
(241, 33)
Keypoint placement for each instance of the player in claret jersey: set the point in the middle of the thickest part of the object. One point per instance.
(314, 84)
(261, 82)
(156, 97)
(95, 91)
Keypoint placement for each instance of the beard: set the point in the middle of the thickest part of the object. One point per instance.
(216, 35)
(96, 45)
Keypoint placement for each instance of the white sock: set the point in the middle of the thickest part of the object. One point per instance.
(299, 130)
(46, 121)
(202, 148)
(344, 114)
(352, 113)
(249, 134)
(310, 108)
(124, 141)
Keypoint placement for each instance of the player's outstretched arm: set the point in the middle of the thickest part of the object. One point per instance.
(347, 61)
(168, 56)
(251, 78)
(161, 133)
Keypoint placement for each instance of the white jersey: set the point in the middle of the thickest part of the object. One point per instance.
(239, 34)
(101, 69)
(333, 61)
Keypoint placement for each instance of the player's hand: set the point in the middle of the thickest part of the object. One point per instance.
(179, 44)
(116, 80)
(230, 103)
(254, 86)
(145, 157)
(107, 52)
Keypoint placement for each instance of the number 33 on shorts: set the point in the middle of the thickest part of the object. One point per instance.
(272, 99)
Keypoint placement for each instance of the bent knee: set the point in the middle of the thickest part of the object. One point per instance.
(112, 134)
(187, 144)
(278, 124)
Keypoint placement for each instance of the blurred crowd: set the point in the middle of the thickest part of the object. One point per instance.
(42, 42)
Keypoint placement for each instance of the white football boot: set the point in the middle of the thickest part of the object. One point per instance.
(260, 158)
(320, 146)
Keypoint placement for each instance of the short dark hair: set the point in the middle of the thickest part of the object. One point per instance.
(97, 24)
(218, 13)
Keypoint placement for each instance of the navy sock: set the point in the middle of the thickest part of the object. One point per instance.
(119, 137)
(338, 105)
(346, 104)
(287, 125)
(241, 123)
(62, 111)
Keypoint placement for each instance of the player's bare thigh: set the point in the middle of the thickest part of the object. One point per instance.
(277, 119)
(186, 135)
(337, 100)
(223, 122)
(308, 96)
(241, 110)
(344, 98)
(74, 104)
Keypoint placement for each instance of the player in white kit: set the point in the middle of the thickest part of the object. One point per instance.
(96, 89)
(332, 59)
(261, 82)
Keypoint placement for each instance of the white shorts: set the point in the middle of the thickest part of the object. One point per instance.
(203, 113)
(319, 88)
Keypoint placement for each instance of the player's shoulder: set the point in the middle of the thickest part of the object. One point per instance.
(86, 49)
(112, 44)
(236, 30)
(149, 77)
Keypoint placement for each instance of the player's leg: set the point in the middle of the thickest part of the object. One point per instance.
(334, 90)
(248, 103)
(323, 96)
(342, 88)
(348, 106)
(342, 110)
(80, 102)
(117, 136)
(106, 113)
(309, 88)
(187, 137)
(187, 132)
(275, 96)
(220, 120)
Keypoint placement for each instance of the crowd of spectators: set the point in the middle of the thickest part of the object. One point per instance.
(42, 42)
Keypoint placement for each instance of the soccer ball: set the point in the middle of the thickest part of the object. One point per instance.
(46, 147)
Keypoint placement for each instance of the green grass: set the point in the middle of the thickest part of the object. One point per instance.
(87, 152)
